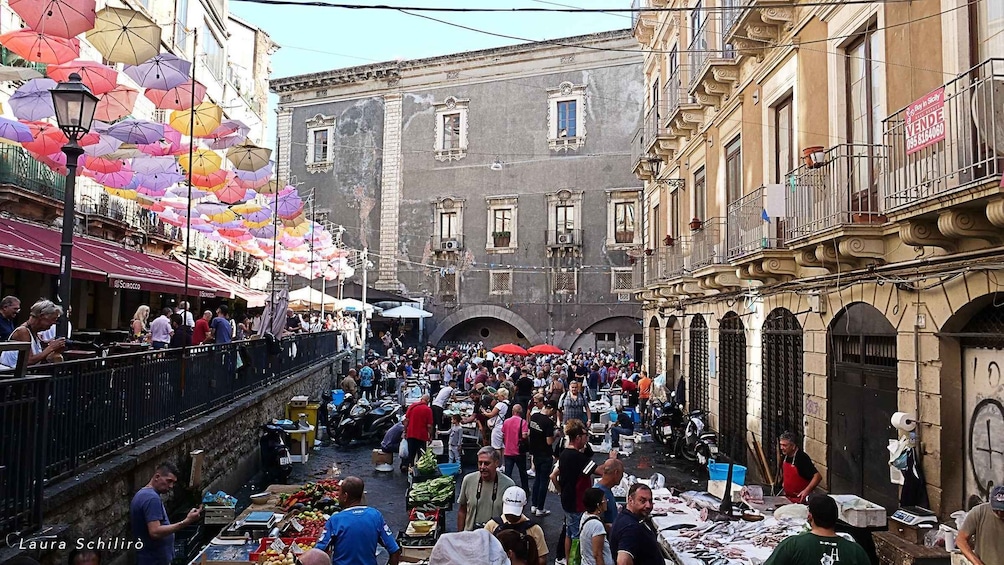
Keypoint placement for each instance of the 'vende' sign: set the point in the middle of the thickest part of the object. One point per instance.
(925, 121)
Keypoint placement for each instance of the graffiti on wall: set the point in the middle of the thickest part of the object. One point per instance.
(983, 389)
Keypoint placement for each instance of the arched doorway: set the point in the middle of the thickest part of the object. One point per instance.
(862, 399)
(491, 331)
(698, 395)
(782, 379)
(654, 346)
(732, 395)
(982, 396)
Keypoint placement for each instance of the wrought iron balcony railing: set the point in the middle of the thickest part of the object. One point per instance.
(20, 169)
(750, 229)
(708, 244)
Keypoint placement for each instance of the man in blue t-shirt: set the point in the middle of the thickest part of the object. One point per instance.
(220, 327)
(351, 536)
(148, 518)
(366, 376)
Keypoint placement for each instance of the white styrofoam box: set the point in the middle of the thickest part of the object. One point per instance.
(717, 489)
(859, 512)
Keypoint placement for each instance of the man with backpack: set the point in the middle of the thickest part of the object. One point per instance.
(512, 518)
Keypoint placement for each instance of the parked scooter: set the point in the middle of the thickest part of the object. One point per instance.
(363, 420)
(275, 456)
(668, 422)
(698, 442)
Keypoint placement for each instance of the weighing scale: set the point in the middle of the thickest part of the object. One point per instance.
(915, 516)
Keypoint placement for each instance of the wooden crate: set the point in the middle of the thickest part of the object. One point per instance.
(894, 550)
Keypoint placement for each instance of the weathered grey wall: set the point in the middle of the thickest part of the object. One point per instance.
(350, 191)
(95, 503)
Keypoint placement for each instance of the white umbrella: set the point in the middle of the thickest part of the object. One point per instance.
(353, 305)
(311, 298)
(406, 312)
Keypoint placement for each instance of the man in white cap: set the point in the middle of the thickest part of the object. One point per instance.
(512, 518)
(985, 523)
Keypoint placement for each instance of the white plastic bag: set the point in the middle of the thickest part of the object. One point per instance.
(402, 451)
(462, 548)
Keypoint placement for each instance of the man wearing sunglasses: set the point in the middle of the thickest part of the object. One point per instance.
(351, 536)
(985, 523)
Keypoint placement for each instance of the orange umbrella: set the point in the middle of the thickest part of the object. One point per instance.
(41, 48)
(116, 104)
(99, 78)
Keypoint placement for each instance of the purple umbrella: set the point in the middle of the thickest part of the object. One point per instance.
(33, 101)
(150, 191)
(137, 131)
(155, 165)
(226, 141)
(202, 228)
(287, 205)
(265, 232)
(159, 181)
(14, 131)
(106, 144)
(182, 191)
(261, 173)
(160, 72)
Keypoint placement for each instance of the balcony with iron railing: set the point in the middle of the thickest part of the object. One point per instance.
(949, 144)
(643, 21)
(750, 229)
(682, 115)
(713, 64)
(840, 190)
(19, 169)
(447, 243)
(557, 238)
(708, 246)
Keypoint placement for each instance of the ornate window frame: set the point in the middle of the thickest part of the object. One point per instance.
(452, 105)
(320, 122)
(622, 196)
(494, 203)
(446, 205)
(565, 92)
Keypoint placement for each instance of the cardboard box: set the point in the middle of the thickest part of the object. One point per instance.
(379, 457)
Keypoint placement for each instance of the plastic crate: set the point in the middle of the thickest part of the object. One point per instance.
(186, 541)
(218, 515)
(255, 556)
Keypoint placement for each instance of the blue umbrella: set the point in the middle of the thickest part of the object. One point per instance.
(137, 131)
(161, 72)
(14, 131)
(33, 101)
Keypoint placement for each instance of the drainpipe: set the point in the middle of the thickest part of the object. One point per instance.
(916, 367)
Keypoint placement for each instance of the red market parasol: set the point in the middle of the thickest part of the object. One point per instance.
(545, 349)
(41, 48)
(509, 349)
(61, 18)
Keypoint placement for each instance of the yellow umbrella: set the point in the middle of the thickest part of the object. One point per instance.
(125, 36)
(246, 208)
(204, 161)
(225, 216)
(200, 121)
(295, 221)
(126, 193)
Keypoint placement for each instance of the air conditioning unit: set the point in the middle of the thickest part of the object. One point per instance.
(450, 245)
(565, 239)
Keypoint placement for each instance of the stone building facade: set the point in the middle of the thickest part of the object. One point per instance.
(823, 201)
(494, 185)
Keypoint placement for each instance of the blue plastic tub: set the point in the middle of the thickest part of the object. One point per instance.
(337, 396)
(720, 472)
(449, 469)
(634, 415)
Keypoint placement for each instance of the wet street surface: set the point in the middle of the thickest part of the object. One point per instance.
(385, 491)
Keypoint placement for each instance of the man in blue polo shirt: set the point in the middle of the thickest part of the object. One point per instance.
(632, 539)
(351, 536)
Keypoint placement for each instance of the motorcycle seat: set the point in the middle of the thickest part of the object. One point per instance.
(697, 412)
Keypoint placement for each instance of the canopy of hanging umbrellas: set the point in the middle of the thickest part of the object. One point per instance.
(196, 170)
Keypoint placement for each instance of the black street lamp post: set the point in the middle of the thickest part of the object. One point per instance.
(74, 104)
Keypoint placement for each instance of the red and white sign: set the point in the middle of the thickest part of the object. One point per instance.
(925, 121)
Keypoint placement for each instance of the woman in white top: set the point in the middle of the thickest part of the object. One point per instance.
(593, 545)
(497, 416)
(43, 314)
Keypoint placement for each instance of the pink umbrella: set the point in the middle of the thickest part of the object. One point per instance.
(116, 104)
(163, 71)
(231, 192)
(152, 192)
(52, 161)
(100, 165)
(169, 144)
(33, 101)
(97, 77)
(62, 18)
(119, 179)
(39, 47)
(177, 98)
(233, 232)
(212, 179)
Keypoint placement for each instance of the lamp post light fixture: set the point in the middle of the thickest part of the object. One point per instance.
(74, 104)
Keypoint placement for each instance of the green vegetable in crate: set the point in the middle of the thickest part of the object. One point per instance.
(427, 463)
(437, 491)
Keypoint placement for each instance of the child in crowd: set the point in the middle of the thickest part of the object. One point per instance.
(456, 438)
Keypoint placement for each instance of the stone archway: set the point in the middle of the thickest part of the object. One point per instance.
(485, 311)
(623, 326)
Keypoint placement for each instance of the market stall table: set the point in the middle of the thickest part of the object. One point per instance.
(304, 455)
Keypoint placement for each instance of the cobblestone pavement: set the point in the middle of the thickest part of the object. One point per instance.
(386, 491)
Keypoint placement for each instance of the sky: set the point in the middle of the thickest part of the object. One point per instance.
(314, 39)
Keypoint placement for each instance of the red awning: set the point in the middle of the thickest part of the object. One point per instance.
(254, 298)
(36, 248)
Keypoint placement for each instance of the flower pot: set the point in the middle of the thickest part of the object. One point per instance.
(668, 240)
(696, 224)
(813, 156)
(648, 251)
(501, 240)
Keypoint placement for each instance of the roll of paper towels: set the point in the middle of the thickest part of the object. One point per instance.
(904, 421)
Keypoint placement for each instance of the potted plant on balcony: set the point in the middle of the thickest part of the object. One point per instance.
(648, 251)
(696, 224)
(501, 238)
(814, 156)
(668, 240)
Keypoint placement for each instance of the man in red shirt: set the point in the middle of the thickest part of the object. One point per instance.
(418, 423)
(201, 331)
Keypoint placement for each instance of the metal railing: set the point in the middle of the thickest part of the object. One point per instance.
(843, 189)
(11, 59)
(749, 231)
(63, 416)
(706, 44)
(708, 244)
(563, 238)
(971, 151)
(19, 168)
(731, 14)
(452, 243)
(672, 259)
(674, 95)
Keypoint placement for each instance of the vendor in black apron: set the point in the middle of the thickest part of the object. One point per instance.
(798, 476)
